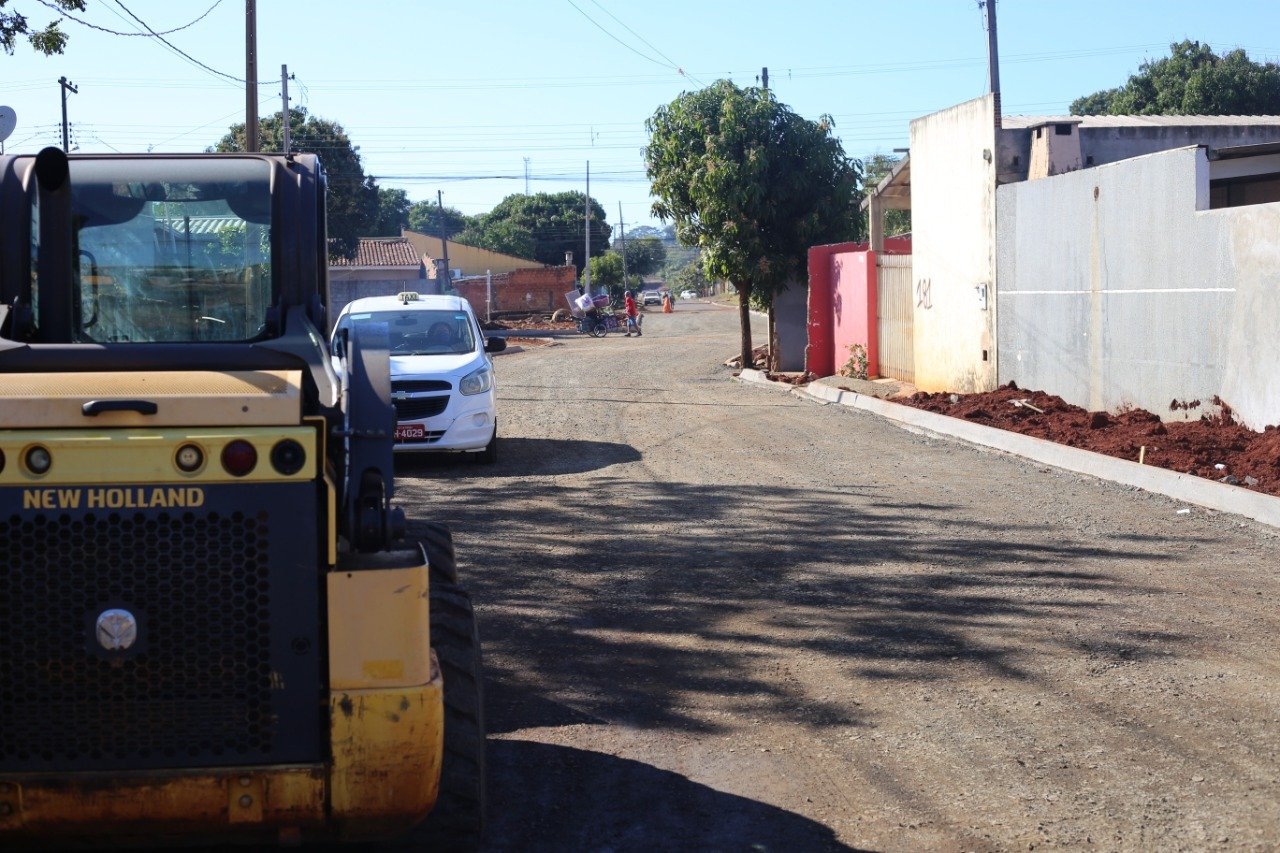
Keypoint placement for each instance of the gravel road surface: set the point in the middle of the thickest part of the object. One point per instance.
(717, 617)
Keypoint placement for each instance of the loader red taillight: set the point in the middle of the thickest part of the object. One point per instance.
(239, 458)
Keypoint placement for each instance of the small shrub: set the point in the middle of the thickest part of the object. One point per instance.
(856, 366)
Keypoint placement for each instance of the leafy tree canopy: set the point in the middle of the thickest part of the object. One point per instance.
(606, 272)
(353, 196)
(426, 217)
(499, 236)
(689, 277)
(555, 222)
(644, 254)
(393, 212)
(1191, 80)
(667, 234)
(752, 184)
(48, 41)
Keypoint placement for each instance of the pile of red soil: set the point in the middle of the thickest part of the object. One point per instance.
(533, 321)
(1249, 459)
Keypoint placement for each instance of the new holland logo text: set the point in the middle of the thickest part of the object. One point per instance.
(151, 497)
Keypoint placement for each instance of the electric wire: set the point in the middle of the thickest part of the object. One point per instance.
(92, 26)
(179, 51)
(679, 68)
(595, 24)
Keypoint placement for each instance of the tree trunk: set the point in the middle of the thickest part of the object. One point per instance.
(744, 323)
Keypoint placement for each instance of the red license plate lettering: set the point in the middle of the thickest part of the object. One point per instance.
(410, 432)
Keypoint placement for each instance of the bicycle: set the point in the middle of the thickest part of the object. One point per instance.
(597, 325)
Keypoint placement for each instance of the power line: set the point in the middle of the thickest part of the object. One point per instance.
(679, 68)
(177, 49)
(595, 24)
(91, 26)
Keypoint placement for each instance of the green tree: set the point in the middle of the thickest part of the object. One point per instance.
(393, 212)
(1191, 80)
(606, 272)
(48, 41)
(644, 254)
(876, 168)
(425, 217)
(352, 200)
(503, 236)
(752, 184)
(689, 277)
(555, 220)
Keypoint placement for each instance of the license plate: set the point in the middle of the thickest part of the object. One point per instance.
(410, 432)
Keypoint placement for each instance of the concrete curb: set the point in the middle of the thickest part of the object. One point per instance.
(758, 377)
(1182, 487)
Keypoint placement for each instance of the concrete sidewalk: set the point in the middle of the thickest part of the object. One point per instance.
(1183, 487)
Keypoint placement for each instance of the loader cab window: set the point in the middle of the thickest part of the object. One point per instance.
(171, 251)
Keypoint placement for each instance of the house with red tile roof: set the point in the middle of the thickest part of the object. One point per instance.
(381, 266)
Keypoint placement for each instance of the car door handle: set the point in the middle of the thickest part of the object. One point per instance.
(93, 408)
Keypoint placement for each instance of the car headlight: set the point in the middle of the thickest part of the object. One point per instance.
(476, 382)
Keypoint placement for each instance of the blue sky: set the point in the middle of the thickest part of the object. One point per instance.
(454, 96)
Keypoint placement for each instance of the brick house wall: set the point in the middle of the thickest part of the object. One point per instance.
(533, 290)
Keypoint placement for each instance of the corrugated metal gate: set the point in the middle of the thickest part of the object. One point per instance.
(896, 309)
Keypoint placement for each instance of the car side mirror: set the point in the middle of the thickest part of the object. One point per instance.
(495, 344)
(338, 345)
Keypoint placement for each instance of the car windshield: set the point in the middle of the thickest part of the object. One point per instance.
(417, 331)
(172, 250)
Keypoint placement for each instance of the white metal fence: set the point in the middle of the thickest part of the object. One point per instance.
(895, 309)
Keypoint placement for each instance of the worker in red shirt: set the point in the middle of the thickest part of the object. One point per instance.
(633, 314)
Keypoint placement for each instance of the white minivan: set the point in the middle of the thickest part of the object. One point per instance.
(441, 373)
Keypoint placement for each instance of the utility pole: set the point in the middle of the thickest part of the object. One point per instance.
(250, 76)
(526, 176)
(993, 57)
(764, 79)
(284, 94)
(444, 244)
(586, 260)
(622, 235)
(67, 86)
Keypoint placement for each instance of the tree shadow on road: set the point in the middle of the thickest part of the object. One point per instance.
(520, 456)
(591, 801)
(623, 603)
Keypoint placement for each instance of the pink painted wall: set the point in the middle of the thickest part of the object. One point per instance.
(842, 304)
(853, 309)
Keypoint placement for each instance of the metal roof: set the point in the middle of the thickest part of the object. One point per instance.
(1235, 151)
(895, 189)
(1026, 122)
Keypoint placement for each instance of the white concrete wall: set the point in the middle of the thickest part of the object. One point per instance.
(1119, 287)
(953, 228)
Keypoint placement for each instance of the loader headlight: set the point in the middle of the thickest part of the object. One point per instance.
(38, 460)
(189, 458)
(476, 382)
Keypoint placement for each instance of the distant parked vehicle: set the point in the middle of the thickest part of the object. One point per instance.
(441, 373)
(688, 294)
(651, 297)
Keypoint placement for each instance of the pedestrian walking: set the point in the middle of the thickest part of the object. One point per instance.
(633, 314)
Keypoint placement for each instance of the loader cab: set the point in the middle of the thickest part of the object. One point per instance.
(148, 256)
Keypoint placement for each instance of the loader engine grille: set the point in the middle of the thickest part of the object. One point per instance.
(201, 686)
